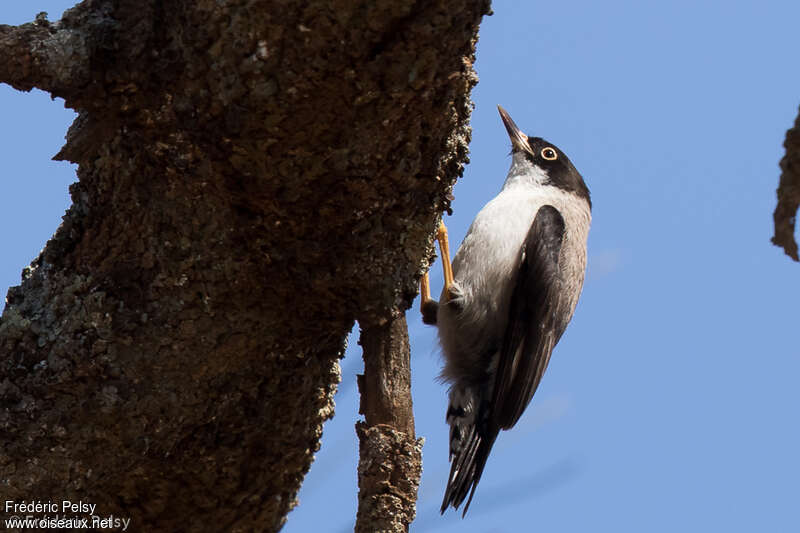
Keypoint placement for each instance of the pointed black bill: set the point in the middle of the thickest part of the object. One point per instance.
(519, 141)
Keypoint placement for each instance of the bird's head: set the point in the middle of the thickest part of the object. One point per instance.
(541, 162)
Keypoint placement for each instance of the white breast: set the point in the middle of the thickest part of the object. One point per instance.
(486, 260)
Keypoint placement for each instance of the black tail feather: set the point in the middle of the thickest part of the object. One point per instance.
(467, 467)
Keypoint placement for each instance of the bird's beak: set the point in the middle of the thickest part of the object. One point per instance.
(519, 141)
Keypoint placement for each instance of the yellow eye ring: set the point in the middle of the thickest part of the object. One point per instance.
(549, 154)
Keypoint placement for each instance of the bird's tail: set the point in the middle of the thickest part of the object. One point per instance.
(471, 440)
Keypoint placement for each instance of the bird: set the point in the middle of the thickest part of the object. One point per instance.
(508, 296)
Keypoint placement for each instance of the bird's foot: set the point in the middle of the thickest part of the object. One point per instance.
(427, 305)
(454, 297)
(430, 312)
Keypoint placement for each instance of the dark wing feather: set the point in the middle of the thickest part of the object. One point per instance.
(534, 321)
(533, 329)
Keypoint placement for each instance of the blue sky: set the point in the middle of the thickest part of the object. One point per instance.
(671, 402)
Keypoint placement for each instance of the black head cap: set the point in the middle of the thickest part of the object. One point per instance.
(547, 156)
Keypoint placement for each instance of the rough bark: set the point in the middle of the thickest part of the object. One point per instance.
(788, 194)
(390, 456)
(253, 177)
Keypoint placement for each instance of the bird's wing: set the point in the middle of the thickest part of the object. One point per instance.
(534, 327)
(534, 322)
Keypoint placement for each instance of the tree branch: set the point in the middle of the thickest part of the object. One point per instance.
(788, 194)
(51, 57)
(390, 462)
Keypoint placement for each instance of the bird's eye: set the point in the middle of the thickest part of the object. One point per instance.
(549, 154)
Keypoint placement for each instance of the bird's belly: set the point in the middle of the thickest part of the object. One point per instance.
(483, 268)
(487, 259)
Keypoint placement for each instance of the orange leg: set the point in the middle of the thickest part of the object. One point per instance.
(447, 267)
(424, 291)
(427, 306)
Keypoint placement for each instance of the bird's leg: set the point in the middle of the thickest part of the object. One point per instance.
(447, 267)
(428, 306)
(425, 289)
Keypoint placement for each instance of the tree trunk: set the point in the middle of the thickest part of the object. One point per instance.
(253, 177)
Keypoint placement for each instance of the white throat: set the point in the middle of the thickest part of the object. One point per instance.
(523, 172)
